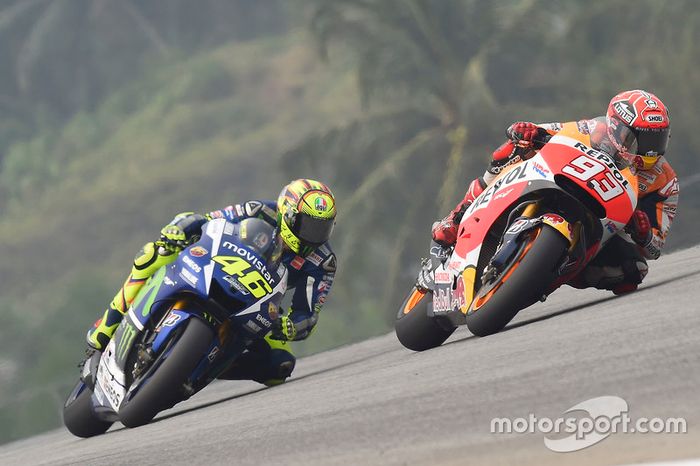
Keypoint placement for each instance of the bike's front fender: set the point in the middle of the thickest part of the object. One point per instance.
(174, 320)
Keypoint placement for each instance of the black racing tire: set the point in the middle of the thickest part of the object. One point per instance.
(78, 415)
(163, 389)
(415, 329)
(526, 284)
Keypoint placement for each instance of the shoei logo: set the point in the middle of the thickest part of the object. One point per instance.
(655, 118)
(588, 423)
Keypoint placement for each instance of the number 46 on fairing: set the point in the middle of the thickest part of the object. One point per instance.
(252, 280)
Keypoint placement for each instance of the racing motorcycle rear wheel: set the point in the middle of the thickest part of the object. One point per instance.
(524, 281)
(414, 328)
(78, 415)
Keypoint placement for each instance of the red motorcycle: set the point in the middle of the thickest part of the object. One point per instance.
(535, 227)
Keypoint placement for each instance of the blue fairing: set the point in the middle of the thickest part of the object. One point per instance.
(227, 272)
(195, 272)
(231, 279)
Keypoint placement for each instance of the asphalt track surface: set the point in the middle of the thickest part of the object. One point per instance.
(378, 403)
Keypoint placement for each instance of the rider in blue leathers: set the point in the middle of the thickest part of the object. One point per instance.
(304, 215)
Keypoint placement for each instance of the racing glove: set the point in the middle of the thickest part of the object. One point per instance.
(184, 230)
(639, 228)
(283, 329)
(522, 133)
(172, 238)
(445, 231)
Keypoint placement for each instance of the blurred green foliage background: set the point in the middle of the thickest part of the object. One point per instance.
(117, 115)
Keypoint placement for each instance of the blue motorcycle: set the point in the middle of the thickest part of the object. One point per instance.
(187, 325)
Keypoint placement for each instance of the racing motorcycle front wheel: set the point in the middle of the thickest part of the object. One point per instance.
(414, 328)
(161, 386)
(521, 283)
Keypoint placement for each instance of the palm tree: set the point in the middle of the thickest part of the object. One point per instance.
(422, 56)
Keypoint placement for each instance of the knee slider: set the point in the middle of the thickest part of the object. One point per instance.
(635, 270)
(285, 369)
(283, 364)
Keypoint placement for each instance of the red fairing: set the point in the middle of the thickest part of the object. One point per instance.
(610, 186)
(593, 171)
(478, 219)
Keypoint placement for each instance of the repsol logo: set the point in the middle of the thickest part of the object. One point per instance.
(516, 174)
(606, 159)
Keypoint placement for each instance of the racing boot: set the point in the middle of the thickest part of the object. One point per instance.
(445, 231)
(151, 257)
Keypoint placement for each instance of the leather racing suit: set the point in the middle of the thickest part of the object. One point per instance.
(269, 361)
(621, 264)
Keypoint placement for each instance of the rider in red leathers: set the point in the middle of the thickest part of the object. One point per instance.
(636, 128)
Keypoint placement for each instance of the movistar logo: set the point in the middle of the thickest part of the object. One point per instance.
(250, 257)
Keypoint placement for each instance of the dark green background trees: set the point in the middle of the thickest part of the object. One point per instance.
(117, 115)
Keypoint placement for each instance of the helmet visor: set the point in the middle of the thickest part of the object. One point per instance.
(653, 141)
(313, 231)
(624, 138)
(650, 142)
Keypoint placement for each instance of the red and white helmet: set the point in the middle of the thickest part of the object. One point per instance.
(639, 127)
